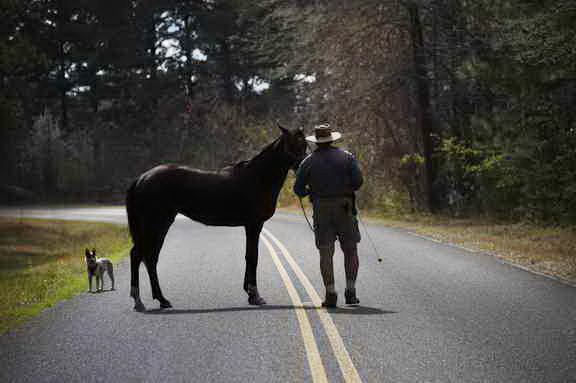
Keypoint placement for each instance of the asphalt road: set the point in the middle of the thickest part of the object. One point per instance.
(429, 313)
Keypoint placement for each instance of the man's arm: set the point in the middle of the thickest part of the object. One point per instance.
(356, 178)
(300, 186)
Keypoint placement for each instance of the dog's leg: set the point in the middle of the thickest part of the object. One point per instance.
(111, 274)
(98, 282)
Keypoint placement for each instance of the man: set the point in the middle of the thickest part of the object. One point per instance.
(331, 176)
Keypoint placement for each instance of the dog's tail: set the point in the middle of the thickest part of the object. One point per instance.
(131, 211)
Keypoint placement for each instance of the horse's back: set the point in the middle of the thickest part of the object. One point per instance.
(175, 180)
(171, 174)
(104, 264)
(223, 198)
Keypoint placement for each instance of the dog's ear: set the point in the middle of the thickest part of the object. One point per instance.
(87, 252)
(93, 251)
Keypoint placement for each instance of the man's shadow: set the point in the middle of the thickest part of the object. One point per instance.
(349, 310)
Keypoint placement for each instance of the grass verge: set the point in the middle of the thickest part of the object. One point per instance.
(42, 262)
(543, 249)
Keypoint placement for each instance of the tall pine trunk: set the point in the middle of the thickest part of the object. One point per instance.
(422, 100)
(62, 82)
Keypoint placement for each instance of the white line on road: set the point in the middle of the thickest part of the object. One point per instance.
(314, 361)
(344, 361)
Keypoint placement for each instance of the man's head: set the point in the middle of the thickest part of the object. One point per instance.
(323, 135)
(324, 145)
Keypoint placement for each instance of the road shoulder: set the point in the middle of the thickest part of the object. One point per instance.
(547, 251)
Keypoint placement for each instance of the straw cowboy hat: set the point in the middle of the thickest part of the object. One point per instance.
(323, 134)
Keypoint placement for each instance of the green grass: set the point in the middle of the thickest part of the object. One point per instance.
(42, 262)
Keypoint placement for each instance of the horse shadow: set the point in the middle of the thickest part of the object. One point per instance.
(348, 310)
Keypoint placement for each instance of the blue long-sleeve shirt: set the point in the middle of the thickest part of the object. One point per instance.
(328, 172)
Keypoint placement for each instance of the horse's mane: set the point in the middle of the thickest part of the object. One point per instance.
(267, 149)
(244, 164)
(241, 165)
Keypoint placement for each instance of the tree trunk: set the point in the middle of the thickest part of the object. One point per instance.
(189, 67)
(227, 74)
(424, 114)
(62, 83)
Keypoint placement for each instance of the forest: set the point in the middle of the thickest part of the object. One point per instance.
(453, 107)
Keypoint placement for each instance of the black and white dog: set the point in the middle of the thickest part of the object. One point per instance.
(97, 267)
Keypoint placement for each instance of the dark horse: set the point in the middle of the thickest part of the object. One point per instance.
(241, 195)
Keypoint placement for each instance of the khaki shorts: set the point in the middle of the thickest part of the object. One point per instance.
(335, 218)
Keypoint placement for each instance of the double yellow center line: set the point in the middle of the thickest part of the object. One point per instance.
(318, 372)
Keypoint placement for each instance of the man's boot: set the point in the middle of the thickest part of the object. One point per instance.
(350, 295)
(331, 299)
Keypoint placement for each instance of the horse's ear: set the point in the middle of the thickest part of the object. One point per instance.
(283, 129)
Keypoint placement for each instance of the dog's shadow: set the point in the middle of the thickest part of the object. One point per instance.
(350, 310)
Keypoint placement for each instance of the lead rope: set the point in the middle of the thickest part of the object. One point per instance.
(305, 215)
(308, 149)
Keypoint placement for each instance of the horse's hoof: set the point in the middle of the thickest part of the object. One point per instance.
(139, 307)
(256, 300)
(165, 305)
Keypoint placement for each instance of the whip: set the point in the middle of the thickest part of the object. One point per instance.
(370, 239)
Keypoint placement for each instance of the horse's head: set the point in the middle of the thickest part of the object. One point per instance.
(293, 146)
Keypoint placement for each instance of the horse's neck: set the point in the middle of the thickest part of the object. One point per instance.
(271, 167)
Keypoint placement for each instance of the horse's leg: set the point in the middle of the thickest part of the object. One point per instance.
(250, 285)
(151, 264)
(135, 260)
(151, 258)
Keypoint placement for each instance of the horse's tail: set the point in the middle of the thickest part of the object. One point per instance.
(131, 211)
